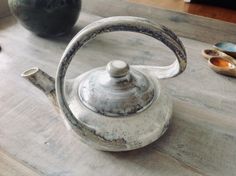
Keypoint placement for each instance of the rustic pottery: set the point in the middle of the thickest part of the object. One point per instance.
(223, 65)
(47, 17)
(226, 47)
(119, 107)
(209, 53)
(220, 62)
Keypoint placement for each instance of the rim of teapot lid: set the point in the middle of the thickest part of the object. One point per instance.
(119, 90)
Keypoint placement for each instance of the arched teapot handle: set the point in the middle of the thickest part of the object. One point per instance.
(132, 24)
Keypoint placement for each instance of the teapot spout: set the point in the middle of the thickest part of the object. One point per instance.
(42, 81)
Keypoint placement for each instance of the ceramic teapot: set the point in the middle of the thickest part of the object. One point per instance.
(119, 107)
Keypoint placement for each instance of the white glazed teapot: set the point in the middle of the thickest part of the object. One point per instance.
(117, 107)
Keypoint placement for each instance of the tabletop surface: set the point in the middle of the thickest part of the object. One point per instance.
(207, 8)
(201, 139)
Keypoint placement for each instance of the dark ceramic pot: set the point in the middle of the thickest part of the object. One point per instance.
(46, 17)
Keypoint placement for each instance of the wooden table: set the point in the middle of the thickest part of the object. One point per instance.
(201, 139)
(210, 11)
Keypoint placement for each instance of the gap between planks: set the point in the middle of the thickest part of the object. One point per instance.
(9, 166)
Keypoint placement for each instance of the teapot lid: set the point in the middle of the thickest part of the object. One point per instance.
(117, 91)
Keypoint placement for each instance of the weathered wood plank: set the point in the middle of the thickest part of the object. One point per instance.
(186, 25)
(201, 139)
(11, 167)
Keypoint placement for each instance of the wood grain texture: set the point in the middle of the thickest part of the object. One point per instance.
(190, 26)
(196, 9)
(9, 166)
(201, 139)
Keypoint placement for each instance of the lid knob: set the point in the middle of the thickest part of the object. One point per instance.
(117, 68)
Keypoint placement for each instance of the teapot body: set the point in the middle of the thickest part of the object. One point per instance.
(121, 133)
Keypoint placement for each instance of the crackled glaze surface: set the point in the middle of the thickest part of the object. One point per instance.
(121, 134)
(116, 96)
